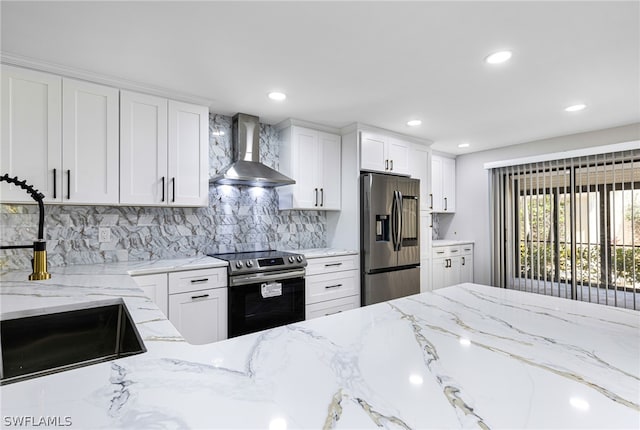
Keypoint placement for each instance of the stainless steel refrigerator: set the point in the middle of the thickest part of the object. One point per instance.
(389, 237)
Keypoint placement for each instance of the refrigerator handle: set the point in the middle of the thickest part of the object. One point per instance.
(393, 221)
(400, 220)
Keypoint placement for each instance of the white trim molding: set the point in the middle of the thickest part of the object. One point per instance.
(85, 75)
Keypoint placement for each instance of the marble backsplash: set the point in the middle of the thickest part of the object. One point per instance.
(237, 219)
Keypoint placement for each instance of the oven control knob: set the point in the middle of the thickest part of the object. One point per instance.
(239, 264)
(291, 259)
(299, 258)
(249, 263)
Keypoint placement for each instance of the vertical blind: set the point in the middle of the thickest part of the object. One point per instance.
(569, 228)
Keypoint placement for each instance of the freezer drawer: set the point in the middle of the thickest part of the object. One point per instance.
(385, 286)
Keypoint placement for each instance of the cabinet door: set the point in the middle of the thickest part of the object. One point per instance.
(373, 153)
(156, 288)
(330, 170)
(30, 143)
(90, 162)
(439, 266)
(143, 149)
(200, 316)
(449, 184)
(437, 197)
(420, 164)
(466, 268)
(398, 155)
(188, 155)
(306, 193)
(452, 273)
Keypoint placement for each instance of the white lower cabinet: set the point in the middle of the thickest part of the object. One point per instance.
(195, 301)
(156, 288)
(198, 304)
(452, 265)
(332, 285)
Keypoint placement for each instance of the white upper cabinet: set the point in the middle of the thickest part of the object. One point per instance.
(90, 149)
(164, 151)
(443, 184)
(312, 159)
(384, 154)
(143, 149)
(188, 171)
(61, 136)
(30, 144)
(420, 166)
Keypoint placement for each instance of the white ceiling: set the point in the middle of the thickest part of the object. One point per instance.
(379, 63)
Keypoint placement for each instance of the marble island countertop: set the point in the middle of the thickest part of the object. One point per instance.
(467, 356)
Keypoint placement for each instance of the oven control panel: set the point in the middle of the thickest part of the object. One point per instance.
(255, 263)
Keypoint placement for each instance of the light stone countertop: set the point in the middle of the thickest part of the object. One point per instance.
(324, 252)
(467, 356)
(447, 242)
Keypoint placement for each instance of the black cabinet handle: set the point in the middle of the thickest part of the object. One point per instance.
(199, 281)
(200, 297)
(68, 184)
(316, 191)
(445, 203)
(333, 264)
(162, 189)
(463, 261)
(391, 165)
(321, 197)
(386, 164)
(173, 185)
(55, 183)
(332, 286)
(431, 197)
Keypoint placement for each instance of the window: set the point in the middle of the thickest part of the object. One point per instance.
(570, 228)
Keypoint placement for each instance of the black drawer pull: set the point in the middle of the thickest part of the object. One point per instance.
(332, 313)
(68, 184)
(333, 264)
(199, 297)
(199, 281)
(333, 286)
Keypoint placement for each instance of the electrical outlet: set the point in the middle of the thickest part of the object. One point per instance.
(104, 234)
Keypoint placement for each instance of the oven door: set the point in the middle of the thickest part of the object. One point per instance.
(265, 300)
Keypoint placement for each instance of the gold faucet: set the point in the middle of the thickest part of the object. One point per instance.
(39, 261)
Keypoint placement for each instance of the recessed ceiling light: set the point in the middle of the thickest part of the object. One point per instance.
(463, 145)
(498, 57)
(414, 123)
(277, 96)
(576, 108)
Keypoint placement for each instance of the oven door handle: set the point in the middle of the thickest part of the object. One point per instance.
(256, 278)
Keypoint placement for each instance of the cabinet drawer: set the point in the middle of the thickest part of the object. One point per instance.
(195, 280)
(466, 249)
(332, 307)
(330, 286)
(316, 266)
(446, 251)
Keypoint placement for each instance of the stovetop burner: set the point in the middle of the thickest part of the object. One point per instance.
(261, 261)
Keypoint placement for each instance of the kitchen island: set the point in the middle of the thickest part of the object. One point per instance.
(467, 356)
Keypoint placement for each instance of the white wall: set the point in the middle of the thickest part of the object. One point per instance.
(471, 220)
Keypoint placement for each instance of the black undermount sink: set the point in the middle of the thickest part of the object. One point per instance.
(37, 345)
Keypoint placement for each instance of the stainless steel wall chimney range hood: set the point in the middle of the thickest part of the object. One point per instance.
(246, 169)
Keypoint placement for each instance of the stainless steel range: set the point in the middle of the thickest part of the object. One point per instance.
(266, 290)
